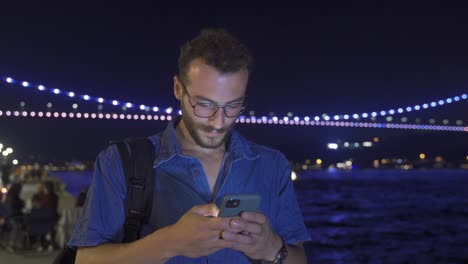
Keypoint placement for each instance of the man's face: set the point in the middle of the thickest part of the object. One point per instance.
(206, 85)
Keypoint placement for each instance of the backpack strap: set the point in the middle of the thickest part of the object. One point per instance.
(137, 155)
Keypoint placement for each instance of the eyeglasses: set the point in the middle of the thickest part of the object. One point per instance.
(209, 109)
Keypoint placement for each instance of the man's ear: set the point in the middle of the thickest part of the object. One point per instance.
(177, 88)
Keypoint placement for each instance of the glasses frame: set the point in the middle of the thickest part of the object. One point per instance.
(214, 104)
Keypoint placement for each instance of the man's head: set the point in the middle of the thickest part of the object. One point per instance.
(213, 72)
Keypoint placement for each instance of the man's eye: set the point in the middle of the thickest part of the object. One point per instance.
(206, 105)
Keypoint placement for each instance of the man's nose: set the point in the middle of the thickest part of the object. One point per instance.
(217, 120)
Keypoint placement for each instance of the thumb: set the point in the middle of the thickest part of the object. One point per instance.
(205, 209)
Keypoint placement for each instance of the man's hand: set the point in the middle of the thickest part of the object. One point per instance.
(253, 236)
(197, 234)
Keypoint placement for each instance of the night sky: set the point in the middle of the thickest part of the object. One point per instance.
(332, 57)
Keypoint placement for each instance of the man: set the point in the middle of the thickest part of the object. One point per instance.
(199, 160)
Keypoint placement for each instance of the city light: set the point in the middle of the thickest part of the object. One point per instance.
(15, 162)
(4, 190)
(422, 156)
(318, 161)
(367, 144)
(332, 146)
(293, 176)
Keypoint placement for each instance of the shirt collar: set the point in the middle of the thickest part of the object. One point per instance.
(238, 146)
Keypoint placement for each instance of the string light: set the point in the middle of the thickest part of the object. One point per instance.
(326, 117)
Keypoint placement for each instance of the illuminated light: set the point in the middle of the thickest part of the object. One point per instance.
(41, 87)
(356, 144)
(129, 105)
(33, 114)
(349, 163)
(142, 117)
(280, 122)
(25, 84)
(64, 115)
(425, 106)
(374, 114)
(4, 190)
(169, 110)
(247, 120)
(56, 91)
(155, 117)
(336, 117)
(49, 105)
(456, 98)
(316, 118)
(115, 102)
(355, 116)
(163, 118)
(142, 107)
(318, 161)
(433, 104)
(155, 109)
(9, 80)
(78, 115)
(122, 116)
(135, 117)
(382, 113)
(400, 110)
(285, 119)
(129, 116)
(86, 115)
(149, 117)
(441, 102)
(422, 156)
(389, 118)
(71, 94)
(293, 176)
(25, 113)
(259, 121)
(9, 150)
(448, 100)
(346, 117)
(86, 97)
(270, 121)
(364, 115)
(179, 112)
(391, 111)
(100, 116)
(463, 96)
(93, 115)
(289, 114)
(417, 107)
(16, 113)
(48, 114)
(307, 119)
(75, 106)
(8, 113)
(108, 116)
(332, 146)
(4, 153)
(15, 162)
(445, 121)
(71, 115)
(326, 118)
(367, 144)
(346, 144)
(100, 100)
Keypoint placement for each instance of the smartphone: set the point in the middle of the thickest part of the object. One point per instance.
(234, 204)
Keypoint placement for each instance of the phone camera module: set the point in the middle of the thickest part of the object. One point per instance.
(232, 203)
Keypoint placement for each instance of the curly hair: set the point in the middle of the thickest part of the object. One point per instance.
(217, 48)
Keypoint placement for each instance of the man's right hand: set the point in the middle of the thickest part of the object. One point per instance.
(197, 234)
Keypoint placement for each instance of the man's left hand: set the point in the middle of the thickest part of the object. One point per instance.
(255, 237)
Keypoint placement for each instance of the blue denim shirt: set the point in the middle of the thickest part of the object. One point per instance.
(180, 184)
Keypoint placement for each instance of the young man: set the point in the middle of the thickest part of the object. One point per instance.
(199, 160)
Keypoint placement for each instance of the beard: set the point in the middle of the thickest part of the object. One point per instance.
(195, 130)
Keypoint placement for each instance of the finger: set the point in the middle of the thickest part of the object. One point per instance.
(205, 209)
(254, 217)
(238, 238)
(249, 227)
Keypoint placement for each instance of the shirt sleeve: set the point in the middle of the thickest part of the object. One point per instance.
(290, 221)
(103, 215)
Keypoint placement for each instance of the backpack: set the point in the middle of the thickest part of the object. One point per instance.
(137, 156)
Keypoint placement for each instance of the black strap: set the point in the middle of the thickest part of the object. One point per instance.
(138, 170)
